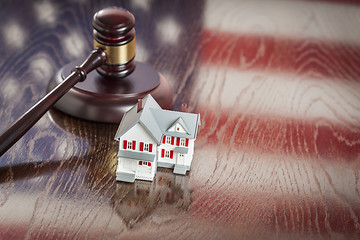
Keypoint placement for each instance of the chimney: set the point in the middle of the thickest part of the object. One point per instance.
(139, 105)
(184, 107)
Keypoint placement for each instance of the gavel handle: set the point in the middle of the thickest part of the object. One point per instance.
(12, 134)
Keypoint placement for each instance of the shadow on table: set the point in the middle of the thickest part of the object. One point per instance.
(94, 174)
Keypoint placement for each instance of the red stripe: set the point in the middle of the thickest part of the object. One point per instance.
(178, 141)
(186, 142)
(162, 153)
(172, 140)
(141, 146)
(133, 145)
(288, 136)
(209, 205)
(299, 56)
(163, 141)
(150, 147)
(125, 144)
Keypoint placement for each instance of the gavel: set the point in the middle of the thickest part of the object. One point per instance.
(107, 93)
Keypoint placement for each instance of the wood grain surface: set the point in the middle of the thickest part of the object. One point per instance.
(277, 84)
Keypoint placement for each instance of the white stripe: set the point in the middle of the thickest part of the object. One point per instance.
(252, 172)
(283, 95)
(298, 19)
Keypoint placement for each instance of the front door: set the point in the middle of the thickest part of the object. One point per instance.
(181, 159)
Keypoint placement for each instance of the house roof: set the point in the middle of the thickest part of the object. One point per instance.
(158, 121)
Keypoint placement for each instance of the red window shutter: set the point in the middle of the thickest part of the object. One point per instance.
(164, 138)
(140, 162)
(171, 154)
(187, 142)
(162, 153)
(149, 164)
(141, 146)
(150, 147)
(178, 141)
(133, 144)
(125, 144)
(172, 140)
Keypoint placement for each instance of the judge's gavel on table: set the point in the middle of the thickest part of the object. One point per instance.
(108, 92)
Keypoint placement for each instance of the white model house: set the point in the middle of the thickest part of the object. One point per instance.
(150, 137)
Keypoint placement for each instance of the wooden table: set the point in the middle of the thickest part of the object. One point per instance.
(277, 84)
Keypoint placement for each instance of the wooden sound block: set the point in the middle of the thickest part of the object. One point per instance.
(106, 99)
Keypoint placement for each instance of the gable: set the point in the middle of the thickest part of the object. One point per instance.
(178, 126)
(167, 121)
(138, 133)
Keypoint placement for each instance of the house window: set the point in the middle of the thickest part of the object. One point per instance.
(182, 142)
(144, 163)
(168, 140)
(147, 147)
(182, 155)
(167, 153)
(129, 145)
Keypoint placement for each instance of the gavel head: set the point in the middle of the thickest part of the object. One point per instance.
(114, 31)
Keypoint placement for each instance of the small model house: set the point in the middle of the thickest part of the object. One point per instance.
(150, 137)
